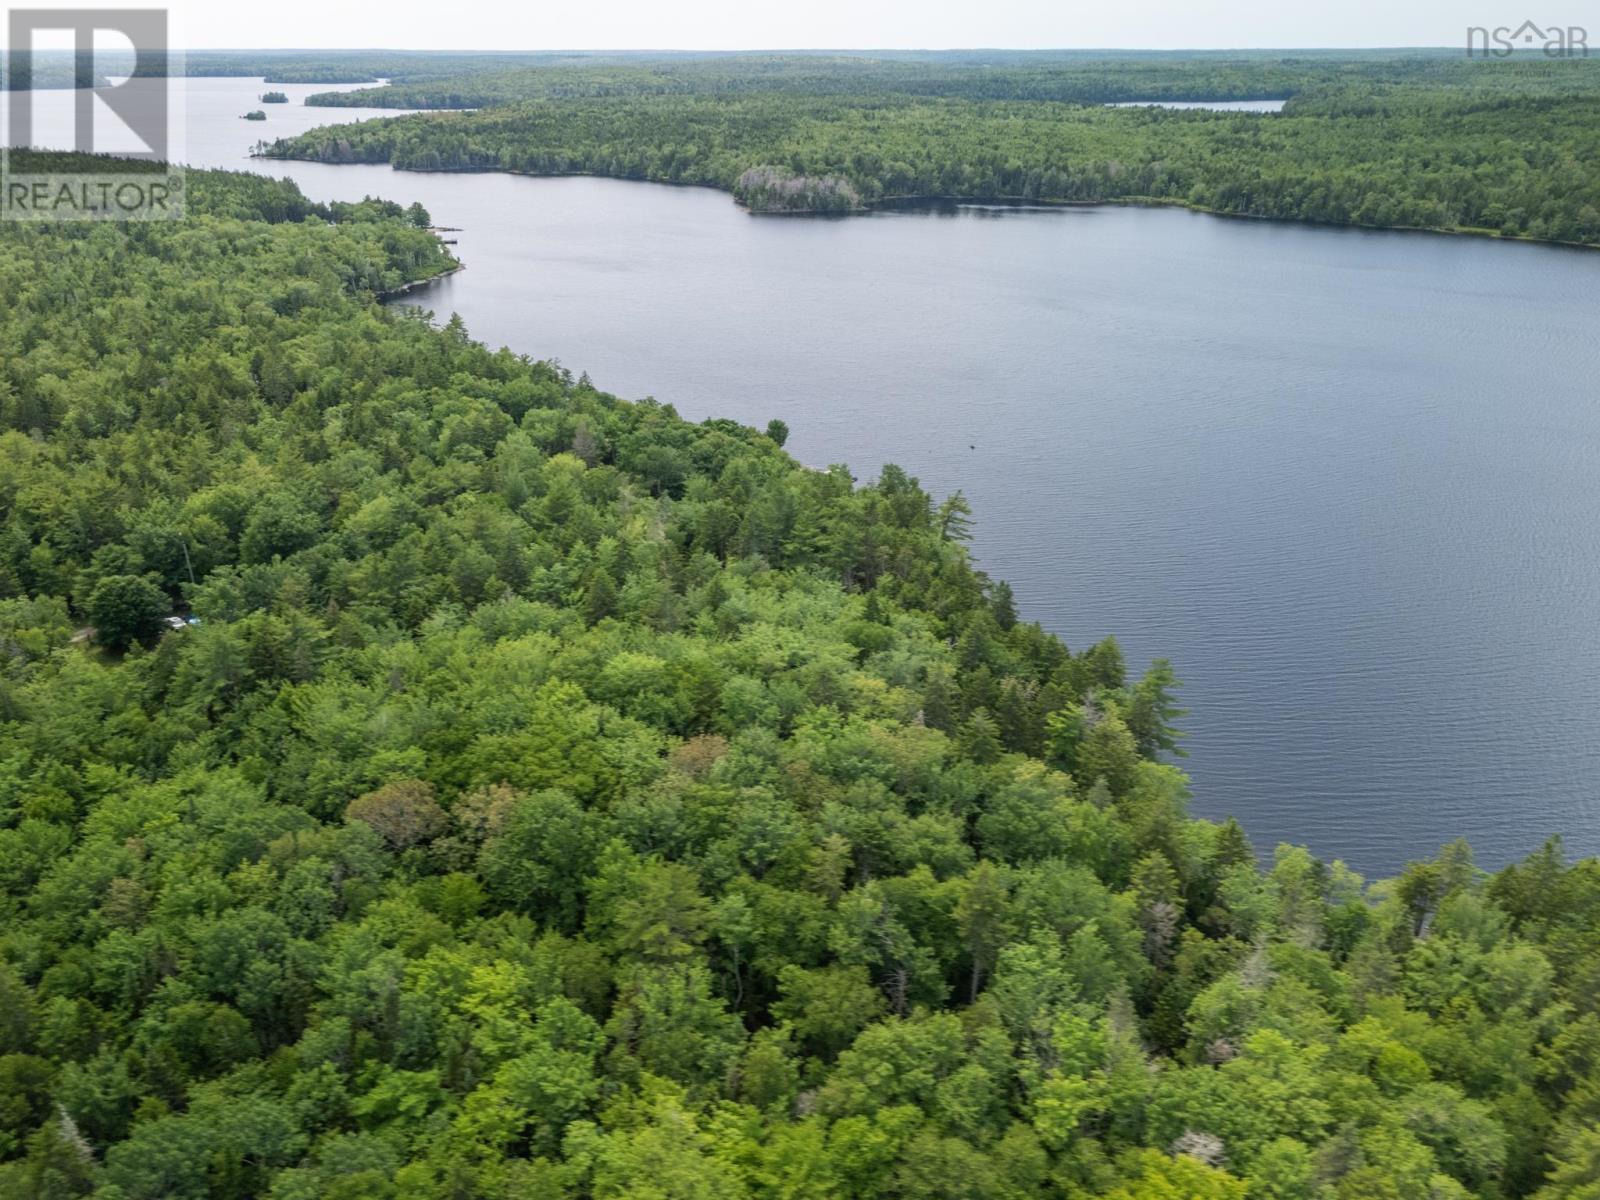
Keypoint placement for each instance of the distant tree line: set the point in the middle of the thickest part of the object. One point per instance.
(1082, 77)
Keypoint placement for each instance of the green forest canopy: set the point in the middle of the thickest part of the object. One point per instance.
(559, 798)
(1081, 76)
(476, 70)
(1429, 141)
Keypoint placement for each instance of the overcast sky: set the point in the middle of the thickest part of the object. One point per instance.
(752, 24)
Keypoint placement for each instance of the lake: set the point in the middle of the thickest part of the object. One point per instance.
(1261, 106)
(1345, 480)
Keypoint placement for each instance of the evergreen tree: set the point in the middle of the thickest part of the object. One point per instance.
(125, 609)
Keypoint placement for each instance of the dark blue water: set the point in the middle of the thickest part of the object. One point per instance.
(1348, 482)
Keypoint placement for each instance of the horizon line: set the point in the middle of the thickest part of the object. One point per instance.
(1330, 49)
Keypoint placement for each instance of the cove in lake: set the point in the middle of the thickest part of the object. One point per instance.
(1345, 480)
(1262, 106)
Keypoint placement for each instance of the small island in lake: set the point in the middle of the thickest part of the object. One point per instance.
(257, 115)
(274, 98)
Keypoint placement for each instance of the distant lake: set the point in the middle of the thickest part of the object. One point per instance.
(1349, 482)
(213, 129)
(1212, 105)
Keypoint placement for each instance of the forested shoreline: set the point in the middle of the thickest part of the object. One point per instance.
(548, 796)
(1503, 148)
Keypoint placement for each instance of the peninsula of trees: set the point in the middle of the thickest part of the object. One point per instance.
(1423, 141)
